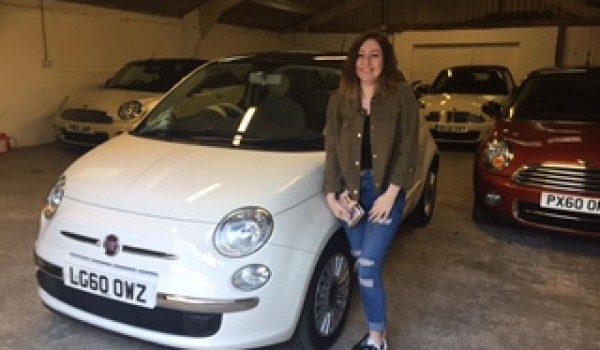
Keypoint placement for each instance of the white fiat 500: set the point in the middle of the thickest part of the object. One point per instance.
(207, 226)
(452, 105)
(90, 117)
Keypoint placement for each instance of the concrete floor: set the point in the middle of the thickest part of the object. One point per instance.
(452, 285)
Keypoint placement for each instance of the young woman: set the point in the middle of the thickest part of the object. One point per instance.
(371, 149)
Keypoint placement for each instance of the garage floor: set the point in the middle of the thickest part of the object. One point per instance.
(452, 285)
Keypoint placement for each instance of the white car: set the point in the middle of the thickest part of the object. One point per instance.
(451, 107)
(207, 226)
(90, 117)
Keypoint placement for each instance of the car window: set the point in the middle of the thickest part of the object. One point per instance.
(247, 104)
(565, 97)
(471, 81)
(152, 76)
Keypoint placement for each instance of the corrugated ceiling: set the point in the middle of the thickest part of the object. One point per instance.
(358, 15)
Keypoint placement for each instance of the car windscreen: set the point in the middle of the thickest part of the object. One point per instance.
(470, 81)
(152, 76)
(276, 106)
(558, 97)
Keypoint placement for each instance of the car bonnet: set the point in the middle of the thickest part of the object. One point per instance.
(541, 142)
(190, 182)
(464, 102)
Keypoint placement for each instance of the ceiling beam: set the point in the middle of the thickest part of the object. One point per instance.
(288, 6)
(328, 15)
(575, 7)
(210, 12)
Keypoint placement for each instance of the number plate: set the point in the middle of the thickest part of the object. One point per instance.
(577, 204)
(451, 128)
(81, 129)
(140, 292)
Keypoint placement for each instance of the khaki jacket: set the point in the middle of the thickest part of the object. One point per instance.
(394, 141)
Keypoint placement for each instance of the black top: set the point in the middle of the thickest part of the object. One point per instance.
(366, 154)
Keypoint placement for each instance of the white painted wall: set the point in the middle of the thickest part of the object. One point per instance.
(84, 46)
(421, 55)
(582, 46)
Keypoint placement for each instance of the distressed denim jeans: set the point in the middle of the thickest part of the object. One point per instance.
(369, 243)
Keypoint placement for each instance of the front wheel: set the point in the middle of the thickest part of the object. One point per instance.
(328, 298)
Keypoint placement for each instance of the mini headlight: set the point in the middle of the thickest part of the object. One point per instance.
(131, 110)
(497, 155)
(55, 197)
(243, 231)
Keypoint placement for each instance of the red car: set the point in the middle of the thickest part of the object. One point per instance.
(540, 165)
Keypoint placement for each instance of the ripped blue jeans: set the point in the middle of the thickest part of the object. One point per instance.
(369, 243)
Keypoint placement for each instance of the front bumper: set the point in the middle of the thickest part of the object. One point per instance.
(196, 304)
(89, 134)
(521, 205)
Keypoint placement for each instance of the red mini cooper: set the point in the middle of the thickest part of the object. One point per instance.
(540, 165)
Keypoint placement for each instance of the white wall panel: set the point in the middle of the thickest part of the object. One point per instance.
(422, 54)
(427, 60)
(582, 46)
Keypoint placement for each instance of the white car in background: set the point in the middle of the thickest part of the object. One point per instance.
(93, 116)
(451, 106)
(206, 226)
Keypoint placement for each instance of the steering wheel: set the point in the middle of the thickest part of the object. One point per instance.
(225, 109)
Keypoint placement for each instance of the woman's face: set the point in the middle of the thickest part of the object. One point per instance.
(369, 63)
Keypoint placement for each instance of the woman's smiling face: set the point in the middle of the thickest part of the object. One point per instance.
(369, 63)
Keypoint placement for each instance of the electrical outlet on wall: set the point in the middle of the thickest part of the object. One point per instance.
(46, 63)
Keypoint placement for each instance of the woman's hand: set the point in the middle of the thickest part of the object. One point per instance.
(339, 210)
(383, 205)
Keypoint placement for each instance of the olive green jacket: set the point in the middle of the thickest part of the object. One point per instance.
(394, 141)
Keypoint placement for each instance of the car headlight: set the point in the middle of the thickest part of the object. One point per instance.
(243, 231)
(497, 155)
(251, 277)
(131, 110)
(55, 197)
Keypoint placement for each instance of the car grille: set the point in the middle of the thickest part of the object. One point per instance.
(86, 115)
(454, 117)
(88, 240)
(584, 181)
(182, 323)
(89, 139)
(433, 116)
(463, 117)
(559, 178)
(469, 136)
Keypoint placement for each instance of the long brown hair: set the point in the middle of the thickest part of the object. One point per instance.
(390, 74)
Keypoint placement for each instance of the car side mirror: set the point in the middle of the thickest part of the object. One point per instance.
(420, 89)
(493, 109)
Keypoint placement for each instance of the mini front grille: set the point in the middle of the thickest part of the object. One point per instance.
(586, 181)
(90, 139)
(454, 117)
(469, 136)
(463, 117)
(433, 117)
(86, 115)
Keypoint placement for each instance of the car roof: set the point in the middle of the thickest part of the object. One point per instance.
(592, 70)
(291, 56)
(172, 59)
(478, 67)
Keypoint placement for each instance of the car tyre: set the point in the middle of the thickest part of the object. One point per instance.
(327, 300)
(423, 212)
